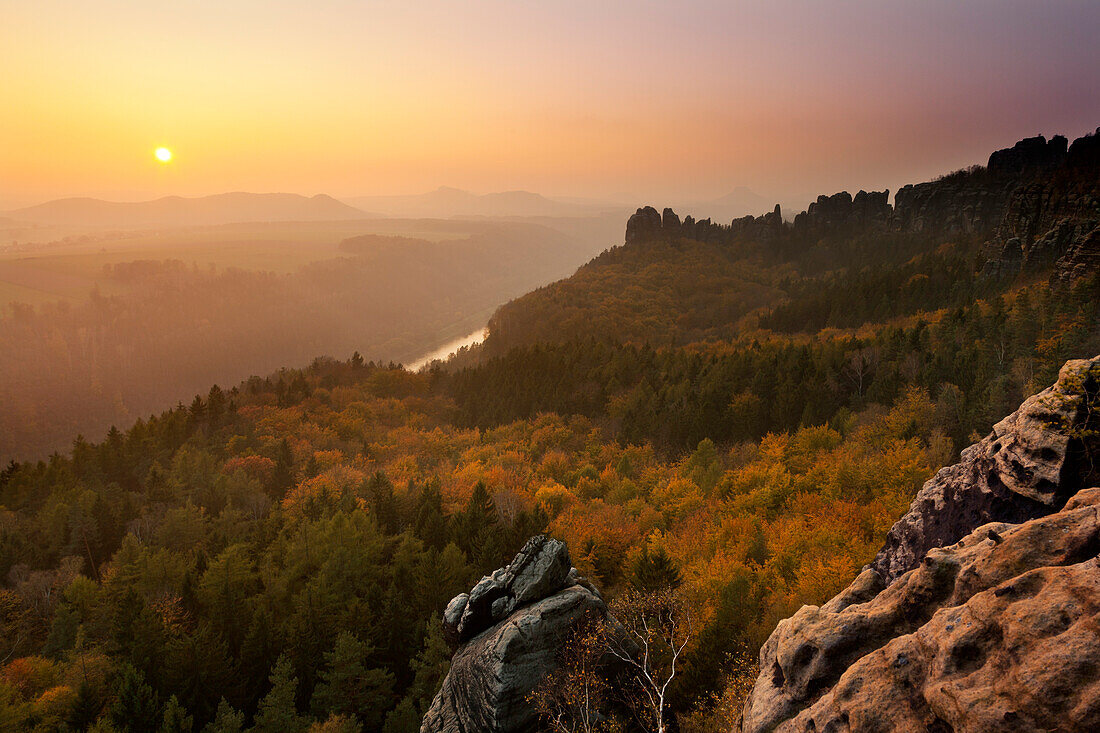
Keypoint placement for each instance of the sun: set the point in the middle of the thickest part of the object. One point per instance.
(163, 154)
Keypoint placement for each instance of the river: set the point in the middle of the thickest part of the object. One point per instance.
(448, 348)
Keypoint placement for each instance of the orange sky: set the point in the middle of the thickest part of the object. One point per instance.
(654, 100)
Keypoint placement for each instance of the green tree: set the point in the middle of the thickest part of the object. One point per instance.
(429, 666)
(136, 708)
(347, 686)
(430, 524)
(383, 505)
(223, 591)
(226, 720)
(277, 712)
(87, 708)
(176, 719)
(654, 571)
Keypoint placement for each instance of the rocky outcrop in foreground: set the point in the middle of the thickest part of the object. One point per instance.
(980, 613)
(507, 632)
(1029, 466)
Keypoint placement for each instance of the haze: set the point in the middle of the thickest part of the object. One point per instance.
(622, 101)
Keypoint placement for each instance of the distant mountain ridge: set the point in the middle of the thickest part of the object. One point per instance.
(446, 201)
(224, 208)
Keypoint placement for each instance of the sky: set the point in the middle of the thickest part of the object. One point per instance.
(629, 99)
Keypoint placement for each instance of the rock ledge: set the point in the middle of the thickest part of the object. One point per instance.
(980, 611)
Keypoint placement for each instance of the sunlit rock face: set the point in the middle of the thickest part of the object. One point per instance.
(508, 630)
(979, 614)
(1029, 466)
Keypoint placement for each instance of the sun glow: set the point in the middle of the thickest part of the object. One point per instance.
(163, 154)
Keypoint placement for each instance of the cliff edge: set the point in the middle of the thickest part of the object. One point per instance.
(980, 611)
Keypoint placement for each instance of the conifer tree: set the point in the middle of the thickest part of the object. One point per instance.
(136, 708)
(226, 720)
(277, 712)
(348, 687)
(176, 719)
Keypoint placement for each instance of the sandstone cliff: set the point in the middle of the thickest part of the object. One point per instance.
(1036, 207)
(980, 611)
(841, 211)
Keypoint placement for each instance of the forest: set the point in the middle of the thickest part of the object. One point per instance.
(274, 552)
(275, 556)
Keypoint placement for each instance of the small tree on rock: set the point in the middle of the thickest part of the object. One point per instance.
(656, 628)
(570, 697)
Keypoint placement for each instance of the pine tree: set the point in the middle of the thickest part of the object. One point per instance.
(477, 530)
(347, 687)
(215, 404)
(136, 708)
(277, 712)
(654, 571)
(87, 707)
(226, 720)
(404, 718)
(429, 666)
(197, 411)
(282, 478)
(430, 524)
(176, 719)
(383, 505)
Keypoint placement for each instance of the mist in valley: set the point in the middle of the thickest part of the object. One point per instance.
(131, 312)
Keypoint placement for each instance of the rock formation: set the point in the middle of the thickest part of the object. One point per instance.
(507, 631)
(643, 226)
(979, 613)
(1029, 155)
(1029, 466)
(1082, 258)
(967, 202)
(1036, 206)
(841, 211)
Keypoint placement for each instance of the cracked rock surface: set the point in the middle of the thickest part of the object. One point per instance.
(508, 630)
(982, 612)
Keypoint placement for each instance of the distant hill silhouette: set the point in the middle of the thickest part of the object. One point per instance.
(222, 208)
(446, 202)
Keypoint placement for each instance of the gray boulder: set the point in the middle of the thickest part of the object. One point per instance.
(540, 569)
(492, 675)
(507, 632)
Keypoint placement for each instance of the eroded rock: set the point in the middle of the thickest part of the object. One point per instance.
(540, 569)
(508, 630)
(996, 632)
(643, 226)
(1031, 463)
(980, 612)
